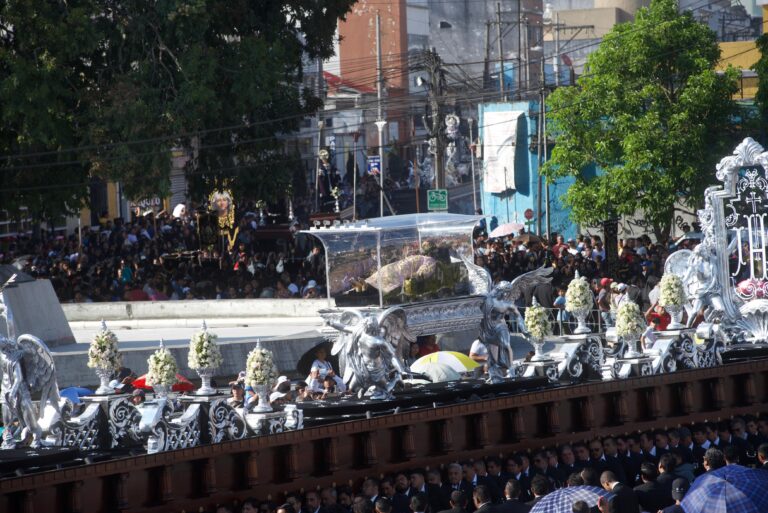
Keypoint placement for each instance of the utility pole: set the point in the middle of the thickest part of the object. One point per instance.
(501, 52)
(434, 120)
(380, 122)
(472, 163)
(539, 143)
(557, 50)
(487, 64)
(519, 50)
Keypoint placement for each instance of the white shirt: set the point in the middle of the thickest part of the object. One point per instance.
(649, 336)
(478, 348)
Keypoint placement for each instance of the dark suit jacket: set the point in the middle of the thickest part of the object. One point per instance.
(489, 481)
(613, 463)
(485, 508)
(512, 506)
(765, 466)
(453, 510)
(652, 496)
(625, 500)
(435, 497)
(665, 480)
(401, 503)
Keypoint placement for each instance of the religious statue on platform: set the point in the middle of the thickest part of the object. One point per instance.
(494, 332)
(27, 368)
(370, 351)
(222, 204)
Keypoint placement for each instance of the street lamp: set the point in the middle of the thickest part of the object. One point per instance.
(472, 162)
(380, 124)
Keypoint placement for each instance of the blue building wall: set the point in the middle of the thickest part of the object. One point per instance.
(511, 205)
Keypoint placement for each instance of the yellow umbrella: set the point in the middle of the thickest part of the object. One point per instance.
(455, 360)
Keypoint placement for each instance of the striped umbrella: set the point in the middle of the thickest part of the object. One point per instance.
(730, 489)
(561, 501)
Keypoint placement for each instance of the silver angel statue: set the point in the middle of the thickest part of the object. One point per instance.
(494, 332)
(370, 350)
(27, 368)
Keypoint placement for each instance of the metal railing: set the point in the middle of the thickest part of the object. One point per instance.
(564, 323)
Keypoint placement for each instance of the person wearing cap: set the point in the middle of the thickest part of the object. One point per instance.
(282, 394)
(238, 395)
(138, 397)
(680, 487)
(604, 302)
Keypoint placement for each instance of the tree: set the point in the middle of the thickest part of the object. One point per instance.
(190, 67)
(105, 89)
(650, 113)
(46, 52)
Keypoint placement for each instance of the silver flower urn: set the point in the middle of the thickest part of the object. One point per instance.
(104, 374)
(676, 312)
(263, 405)
(206, 373)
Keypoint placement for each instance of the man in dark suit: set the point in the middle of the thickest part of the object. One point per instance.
(613, 462)
(493, 465)
(370, 489)
(419, 503)
(727, 438)
(541, 467)
(625, 500)
(568, 464)
(630, 461)
(312, 500)
(762, 456)
(650, 495)
(540, 487)
(483, 478)
(458, 502)
(434, 495)
(515, 469)
(482, 499)
(456, 483)
(400, 501)
(511, 502)
(666, 467)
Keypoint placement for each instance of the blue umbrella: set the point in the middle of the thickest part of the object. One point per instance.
(730, 489)
(75, 393)
(561, 501)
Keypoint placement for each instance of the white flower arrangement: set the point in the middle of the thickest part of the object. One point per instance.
(204, 352)
(162, 368)
(537, 321)
(672, 292)
(629, 320)
(103, 352)
(578, 297)
(260, 367)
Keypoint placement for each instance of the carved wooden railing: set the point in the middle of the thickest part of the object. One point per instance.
(269, 466)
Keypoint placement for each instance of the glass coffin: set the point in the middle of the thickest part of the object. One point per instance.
(398, 260)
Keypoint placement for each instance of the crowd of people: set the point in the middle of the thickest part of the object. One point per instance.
(646, 472)
(161, 259)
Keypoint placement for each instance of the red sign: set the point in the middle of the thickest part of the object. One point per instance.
(528, 214)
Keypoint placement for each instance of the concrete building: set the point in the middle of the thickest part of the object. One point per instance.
(522, 192)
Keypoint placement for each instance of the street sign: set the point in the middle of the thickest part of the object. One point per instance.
(528, 214)
(437, 199)
(374, 165)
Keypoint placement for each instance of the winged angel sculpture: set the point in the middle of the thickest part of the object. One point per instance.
(27, 368)
(499, 300)
(371, 349)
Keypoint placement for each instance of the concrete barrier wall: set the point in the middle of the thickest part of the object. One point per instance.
(193, 309)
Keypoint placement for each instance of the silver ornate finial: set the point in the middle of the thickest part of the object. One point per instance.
(103, 325)
(205, 326)
(162, 343)
(577, 275)
(258, 343)
(535, 301)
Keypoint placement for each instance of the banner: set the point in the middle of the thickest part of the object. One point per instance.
(499, 144)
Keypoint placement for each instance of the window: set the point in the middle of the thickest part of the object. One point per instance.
(445, 25)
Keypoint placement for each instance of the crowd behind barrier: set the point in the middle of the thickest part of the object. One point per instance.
(161, 259)
(647, 472)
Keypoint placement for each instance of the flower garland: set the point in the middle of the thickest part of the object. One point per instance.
(537, 321)
(629, 320)
(260, 367)
(162, 368)
(672, 292)
(578, 297)
(261, 204)
(335, 193)
(204, 352)
(103, 352)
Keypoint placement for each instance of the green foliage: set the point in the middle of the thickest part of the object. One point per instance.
(650, 112)
(761, 68)
(44, 51)
(95, 74)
